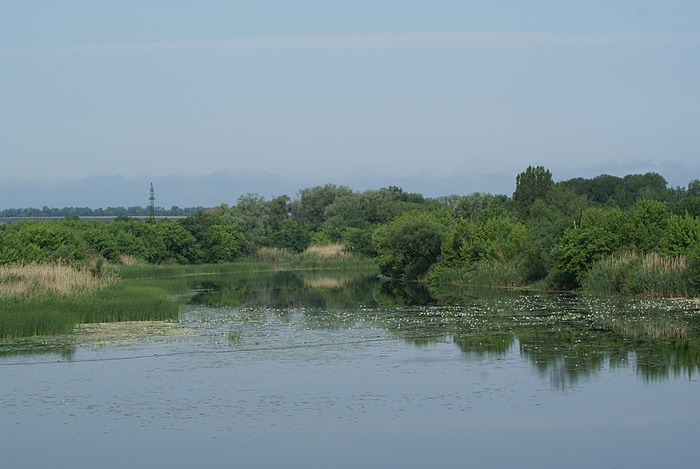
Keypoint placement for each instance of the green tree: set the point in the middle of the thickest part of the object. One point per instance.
(681, 233)
(497, 239)
(408, 245)
(222, 243)
(649, 221)
(312, 202)
(602, 232)
(277, 211)
(530, 185)
(169, 240)
(468, 207)
(291, 235)
(550, 218)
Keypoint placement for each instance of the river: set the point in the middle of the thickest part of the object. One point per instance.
(331, 369)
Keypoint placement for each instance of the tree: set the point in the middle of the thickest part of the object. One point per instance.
(468, 207)
(277, 211)
(291, 235)
(649, 221)
(602, 232)
(222, 243)
(310, 211)
(251, 215)
(408, 245)
(530, 185)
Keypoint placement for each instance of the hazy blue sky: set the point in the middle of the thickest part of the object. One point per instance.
(325, 91)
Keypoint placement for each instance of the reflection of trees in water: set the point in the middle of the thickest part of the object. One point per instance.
(284, 290)
(565, 337)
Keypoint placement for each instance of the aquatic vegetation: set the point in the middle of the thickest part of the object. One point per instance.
(58, 314)
(272, 254)
(328, 252)
(44, 299)
(630, 273)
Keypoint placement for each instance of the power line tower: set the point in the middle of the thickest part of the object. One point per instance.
(152, 198)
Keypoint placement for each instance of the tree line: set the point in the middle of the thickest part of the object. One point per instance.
(135, 211)
(553, 234)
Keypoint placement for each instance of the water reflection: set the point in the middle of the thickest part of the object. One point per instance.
(564, 337)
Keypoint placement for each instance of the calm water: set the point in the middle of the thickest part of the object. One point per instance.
(303, 369)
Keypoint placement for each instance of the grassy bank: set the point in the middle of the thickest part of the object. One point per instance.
(41, 299)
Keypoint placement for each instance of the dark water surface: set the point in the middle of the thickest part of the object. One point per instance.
(320, 369)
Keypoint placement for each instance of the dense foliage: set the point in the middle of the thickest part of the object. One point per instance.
(561, 235)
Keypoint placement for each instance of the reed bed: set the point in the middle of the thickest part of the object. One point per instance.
(335, 251)
(630, 273)
(272, 254)
(43, 299)
(59, 314)
(329, 256)
(481, 274)
(496, 275)
(128, 259)
(50, 279)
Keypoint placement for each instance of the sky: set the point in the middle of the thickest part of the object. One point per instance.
(330, 92)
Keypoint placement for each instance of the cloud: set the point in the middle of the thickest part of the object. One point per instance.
(386, 41)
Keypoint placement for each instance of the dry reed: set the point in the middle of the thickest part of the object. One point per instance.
(53, 278)
(129, 259)
(272, 254)
(333, 251)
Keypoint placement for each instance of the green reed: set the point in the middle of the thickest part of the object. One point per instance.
(58, 314)
(495, 274)
(635, 274)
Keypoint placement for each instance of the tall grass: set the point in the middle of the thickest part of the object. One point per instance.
(50, 279)
(329, 256)
(41, 299)
(271, 254)
(480, 274)
(495, 274)
(631, 273)
(58, 314)
(328, 252)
